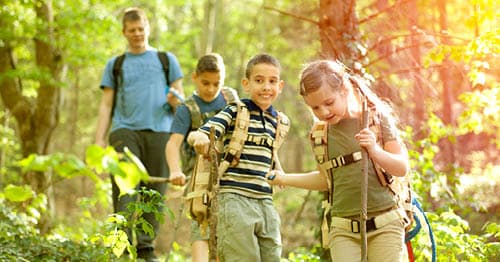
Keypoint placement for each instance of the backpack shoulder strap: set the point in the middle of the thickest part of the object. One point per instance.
(230, 95)
(165, 64)
(194, 110)
(319, 141)
(118, 78)
(237, 141)
(282, 128)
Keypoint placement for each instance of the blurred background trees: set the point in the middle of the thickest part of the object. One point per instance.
(436, 61)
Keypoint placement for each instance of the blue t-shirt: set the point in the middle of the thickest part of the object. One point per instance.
(182, 119)
(140, 98)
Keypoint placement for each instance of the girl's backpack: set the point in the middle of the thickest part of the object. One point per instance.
(399, 186)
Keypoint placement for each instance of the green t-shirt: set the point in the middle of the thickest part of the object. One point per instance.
(347, 179)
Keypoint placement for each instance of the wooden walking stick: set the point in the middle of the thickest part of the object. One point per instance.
(364, 190)
(213, 188)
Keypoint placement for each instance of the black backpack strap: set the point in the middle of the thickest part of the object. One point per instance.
(164, 63)
(117, 77)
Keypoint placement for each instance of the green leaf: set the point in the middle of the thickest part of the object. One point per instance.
(18, 193)
(137, 162)
(35, 163)
(130, 178)
(93, 157)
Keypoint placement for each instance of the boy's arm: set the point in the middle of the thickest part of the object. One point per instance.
(173, 159)
(200, 142)
(104, 116)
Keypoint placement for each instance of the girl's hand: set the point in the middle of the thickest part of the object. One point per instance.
(366, 139)
(274, 177)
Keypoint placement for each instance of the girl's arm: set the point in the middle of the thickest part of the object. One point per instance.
(393, 158)
(314, 180)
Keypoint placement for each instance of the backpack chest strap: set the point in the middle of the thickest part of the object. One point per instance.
(342, 160)
(260, 141)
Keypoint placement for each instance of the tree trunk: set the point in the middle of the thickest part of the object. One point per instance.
(36, 122)
(339, 32)
(446, 73)
(73, 106)
(209, 21)
(416, 63)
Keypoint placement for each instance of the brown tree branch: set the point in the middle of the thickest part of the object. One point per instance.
(418, 33)
(407, 70)
(10, 90)
(397, 50)
(292, 15)
(387, 9)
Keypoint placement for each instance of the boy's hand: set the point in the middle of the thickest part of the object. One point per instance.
(177, 178)
(366, 139)
(199, 141)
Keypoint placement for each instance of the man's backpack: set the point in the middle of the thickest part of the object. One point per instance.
(198, 198)
(118, 73)
(188, 155)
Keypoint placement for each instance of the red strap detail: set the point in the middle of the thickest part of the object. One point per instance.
(411, 257)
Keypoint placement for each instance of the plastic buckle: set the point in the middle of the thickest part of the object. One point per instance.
(356, 156)
(355, 224)
(229, 157)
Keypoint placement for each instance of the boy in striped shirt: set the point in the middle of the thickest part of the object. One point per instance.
(248, 227)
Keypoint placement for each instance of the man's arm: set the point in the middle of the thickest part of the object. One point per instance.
(175, 86)
(104, 116)
(173, 159)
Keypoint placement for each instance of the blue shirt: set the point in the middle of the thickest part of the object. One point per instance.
(182, 119)
(140, 98)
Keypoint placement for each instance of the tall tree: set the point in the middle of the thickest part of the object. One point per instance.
(447, 78)
(37, 119)
(416, 63)
(338, 30)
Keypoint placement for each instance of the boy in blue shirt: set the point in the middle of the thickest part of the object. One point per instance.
(209, 98)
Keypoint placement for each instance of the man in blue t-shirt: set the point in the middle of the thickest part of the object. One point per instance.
(136, 113)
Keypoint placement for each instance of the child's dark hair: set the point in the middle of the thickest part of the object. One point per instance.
(211, 62)
(132, 14)
(261, 59)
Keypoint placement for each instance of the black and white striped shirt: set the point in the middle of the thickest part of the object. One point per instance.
(247, 178)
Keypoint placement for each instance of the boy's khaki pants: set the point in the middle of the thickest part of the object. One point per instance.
(248, 229)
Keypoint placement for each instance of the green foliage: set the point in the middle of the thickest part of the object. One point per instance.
(303, 254)
(175, 255)
(18, 193)
(10, 150)
(482, 114)
(103, 246)
(20, 241)
(454, 241)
